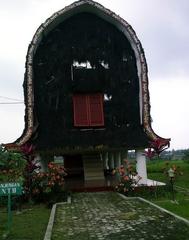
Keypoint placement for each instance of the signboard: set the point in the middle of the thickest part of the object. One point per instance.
(10, 188)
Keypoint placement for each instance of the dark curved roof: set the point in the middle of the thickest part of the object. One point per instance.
(60, 16)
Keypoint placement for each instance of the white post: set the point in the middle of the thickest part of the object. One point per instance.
(141, 166)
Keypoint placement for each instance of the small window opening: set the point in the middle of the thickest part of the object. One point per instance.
(107, 97)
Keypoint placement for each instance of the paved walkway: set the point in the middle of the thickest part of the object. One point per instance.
(99, 216)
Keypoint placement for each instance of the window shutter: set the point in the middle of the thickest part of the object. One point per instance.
(95, 109)
(80, 105)
(88, 110)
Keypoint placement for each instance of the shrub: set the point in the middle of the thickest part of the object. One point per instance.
(186, 156)
(127, 178)
(32, 167)
(176, 171)
(49, 185)
(11, 166)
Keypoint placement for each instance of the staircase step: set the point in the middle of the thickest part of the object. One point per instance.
(93, 167)
(87, 178)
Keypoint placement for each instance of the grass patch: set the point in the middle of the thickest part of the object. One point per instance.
(181, 208)
(155, 171)
(29, 224)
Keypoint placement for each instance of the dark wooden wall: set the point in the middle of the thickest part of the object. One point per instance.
(86, 37)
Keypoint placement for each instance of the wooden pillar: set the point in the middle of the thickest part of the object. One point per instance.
(124, 155)
(105, 161)
(117, 159)
(111, 161)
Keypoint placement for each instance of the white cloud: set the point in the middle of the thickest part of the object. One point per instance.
(11, 123)
(169, 111)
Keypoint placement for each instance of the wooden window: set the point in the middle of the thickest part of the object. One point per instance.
(95, 109)
(81, 117)
(88, 110)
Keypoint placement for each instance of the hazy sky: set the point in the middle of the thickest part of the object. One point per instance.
(162, 27)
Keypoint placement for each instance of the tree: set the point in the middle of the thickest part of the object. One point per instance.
(11, 165)
(186, 155)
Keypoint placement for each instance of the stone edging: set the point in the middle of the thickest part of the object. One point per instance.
(156, 206)
(51, 219)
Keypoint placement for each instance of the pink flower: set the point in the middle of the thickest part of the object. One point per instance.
(126, 178)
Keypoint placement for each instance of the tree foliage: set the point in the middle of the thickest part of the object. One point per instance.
(11, 165)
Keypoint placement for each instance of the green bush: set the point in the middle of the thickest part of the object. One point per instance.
(11, 166)
(49, 186)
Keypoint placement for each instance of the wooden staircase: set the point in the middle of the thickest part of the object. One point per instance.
(93, 167)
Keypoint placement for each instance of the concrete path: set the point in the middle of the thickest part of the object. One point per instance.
(99, 216)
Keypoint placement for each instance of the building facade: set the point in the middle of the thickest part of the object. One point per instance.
(86, 92)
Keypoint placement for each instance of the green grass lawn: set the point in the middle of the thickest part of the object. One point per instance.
(181, 208)
(155, 172)
(29, 224)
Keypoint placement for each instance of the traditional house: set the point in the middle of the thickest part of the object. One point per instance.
(86, 92)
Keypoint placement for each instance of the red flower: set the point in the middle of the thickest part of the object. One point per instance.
(27, 149)
(150, 153)
(159, 145)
